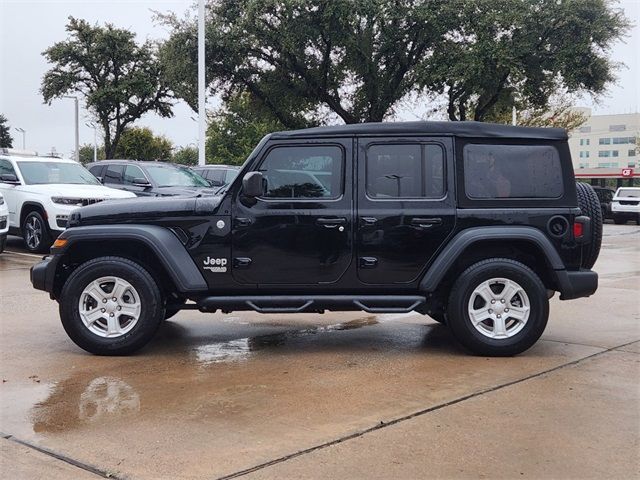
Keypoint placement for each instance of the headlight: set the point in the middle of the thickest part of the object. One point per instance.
(67, 201)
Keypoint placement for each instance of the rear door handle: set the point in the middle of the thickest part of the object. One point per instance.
(426, 222)
(331, 222)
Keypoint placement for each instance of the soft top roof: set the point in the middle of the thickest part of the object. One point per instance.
(459, 129)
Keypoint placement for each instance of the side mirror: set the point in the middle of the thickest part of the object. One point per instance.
(253, 184)
(141, 182)
(9, 178)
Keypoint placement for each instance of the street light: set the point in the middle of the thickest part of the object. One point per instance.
(24, 135)
(77, 152)
(95, 140)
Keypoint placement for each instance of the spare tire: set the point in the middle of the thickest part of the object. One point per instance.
(590, 206)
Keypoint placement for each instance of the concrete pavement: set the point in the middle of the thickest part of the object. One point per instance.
(340, 395)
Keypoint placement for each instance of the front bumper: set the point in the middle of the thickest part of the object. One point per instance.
(43, 273)
(617, 208)
(577, 284)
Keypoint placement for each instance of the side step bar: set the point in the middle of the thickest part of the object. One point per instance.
(315, 303)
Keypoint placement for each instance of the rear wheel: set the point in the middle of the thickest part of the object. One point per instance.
(590, 206)
(498, 307)
(35, 233)
(111, 306)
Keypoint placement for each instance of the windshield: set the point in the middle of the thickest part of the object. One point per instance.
(628, 192)
(40, 173)
(169, 176)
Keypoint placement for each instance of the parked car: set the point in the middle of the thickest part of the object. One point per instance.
(150, 179)
(605, 196)
(40, 192)
(625, 205)
(4, 223)
(471, 223)
(218, 175)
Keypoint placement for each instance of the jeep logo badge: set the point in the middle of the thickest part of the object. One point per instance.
(215, 265)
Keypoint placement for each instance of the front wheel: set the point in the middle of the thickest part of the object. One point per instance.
(35, 233)
(498, 307)
(111, 306)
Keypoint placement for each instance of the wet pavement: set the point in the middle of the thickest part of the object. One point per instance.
(339, 395)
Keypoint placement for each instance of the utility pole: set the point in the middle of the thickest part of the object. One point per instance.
(202, 115)
(95, 141)
(24, 135)
(77, 118)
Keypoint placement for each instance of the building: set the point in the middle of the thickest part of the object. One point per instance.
(605, 147)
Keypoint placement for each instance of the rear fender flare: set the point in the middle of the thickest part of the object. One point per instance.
(447, 257)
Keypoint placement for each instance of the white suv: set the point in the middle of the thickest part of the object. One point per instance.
(41, 192)
(626, 205)
(4, 222)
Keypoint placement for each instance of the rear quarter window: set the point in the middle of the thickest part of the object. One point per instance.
(512, 171)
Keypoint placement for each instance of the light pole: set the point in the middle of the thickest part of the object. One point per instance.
(95, 140)
(201, 86)
(77, 152)
(24, 136)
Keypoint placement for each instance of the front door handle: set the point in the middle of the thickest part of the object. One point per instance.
(331, 222)
(426, 222)
(242, 222)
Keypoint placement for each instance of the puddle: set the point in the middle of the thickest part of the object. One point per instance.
(242, 348)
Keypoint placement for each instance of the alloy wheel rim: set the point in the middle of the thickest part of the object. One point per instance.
(499, 308)
(34, 232)
(109, 307)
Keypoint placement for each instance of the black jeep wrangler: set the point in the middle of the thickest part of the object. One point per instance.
(473, 224)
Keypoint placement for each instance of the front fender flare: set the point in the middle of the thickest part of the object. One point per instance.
(163, 242)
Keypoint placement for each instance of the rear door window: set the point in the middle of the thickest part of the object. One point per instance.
(405, 171)
(113, 174)
(512, 171)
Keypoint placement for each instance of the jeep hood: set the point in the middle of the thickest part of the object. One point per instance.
(144, 210)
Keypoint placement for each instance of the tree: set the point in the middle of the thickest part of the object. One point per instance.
(86, 153)
(234, 131)
(141, 144)
(303, 59)
(6, 141)
(185, 156)
(120, 80)
(309, 61)
(502, 52)
(558, 112)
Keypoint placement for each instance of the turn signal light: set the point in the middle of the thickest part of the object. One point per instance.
(578, 230)
(60, 242)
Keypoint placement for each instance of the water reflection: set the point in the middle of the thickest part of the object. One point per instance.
(73, 404)
(242, 348)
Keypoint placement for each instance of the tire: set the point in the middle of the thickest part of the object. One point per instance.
(590, 206)
(518, 336)
(3, 242)
(35, 233)
(95, 338)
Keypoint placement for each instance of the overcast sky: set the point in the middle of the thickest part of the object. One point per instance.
(27, 28)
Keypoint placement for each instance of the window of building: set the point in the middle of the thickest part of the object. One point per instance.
(405, 171)
(586, 129)
(584, 141)
(631, 164)
(623, 140)
(584, 154)
(614, 153)
(512, 171)
(604, 141)
(608, 165)
(632, 152)
(303, 172)
(617, 128)
(584, 164)
(604, 153)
